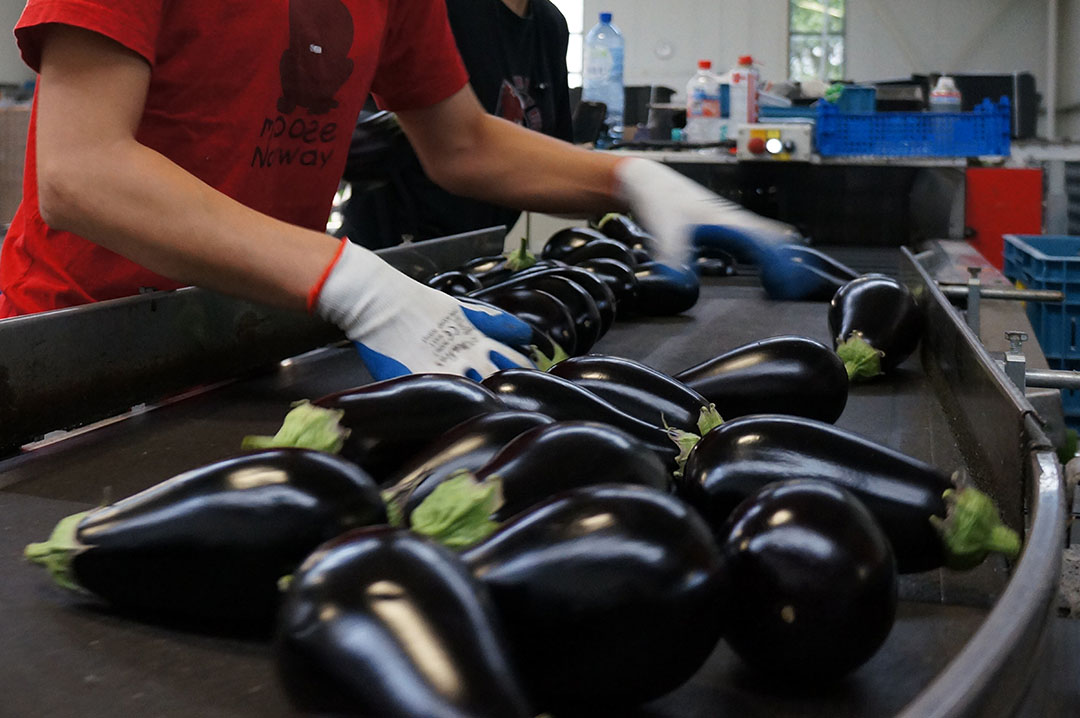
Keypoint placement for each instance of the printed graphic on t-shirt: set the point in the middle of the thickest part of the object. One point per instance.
(316, 64)
(314, 67)
(517, 105)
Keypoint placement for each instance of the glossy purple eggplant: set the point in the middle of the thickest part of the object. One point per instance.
(390, 420)
(455, 282)
(562, 399)
(714, 267)
(577, 300)
(540, 310)
(601, 249)
(568, 240)
(663, 290)
(617, 275)
(469, 445)
(557, 457)
(493, 269)
(906, 496)
(636, 389)
(875, 324)
(610, 595)
(210, 544)
(812, 582)
(383, 623)
(601, 293)
(623, 229)
(779, 375)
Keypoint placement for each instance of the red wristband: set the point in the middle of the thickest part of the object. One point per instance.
(316, 289)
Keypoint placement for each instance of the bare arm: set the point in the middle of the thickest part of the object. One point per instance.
(475, 154)
(96, 180)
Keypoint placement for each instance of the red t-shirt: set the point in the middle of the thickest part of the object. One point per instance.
(257, 98)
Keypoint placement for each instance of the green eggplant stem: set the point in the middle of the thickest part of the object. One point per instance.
(972, 529)
(861, 360)
(521, 258)
(56, 553)
(458, 512)
(542, 361)
(306, 426)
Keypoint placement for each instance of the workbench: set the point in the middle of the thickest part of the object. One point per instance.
(65, 655)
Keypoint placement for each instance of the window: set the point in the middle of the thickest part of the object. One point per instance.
(574, 12)
(816, 39)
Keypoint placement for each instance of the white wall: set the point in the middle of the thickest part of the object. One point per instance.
(1068, 123)
(12, 70)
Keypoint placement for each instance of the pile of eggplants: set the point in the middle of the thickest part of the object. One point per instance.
(582, 280)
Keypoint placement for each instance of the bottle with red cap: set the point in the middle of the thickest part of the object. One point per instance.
(703, 121)
(743, 93)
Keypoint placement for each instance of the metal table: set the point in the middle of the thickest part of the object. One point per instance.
(963, 644)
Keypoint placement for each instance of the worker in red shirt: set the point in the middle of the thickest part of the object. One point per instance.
(201, 143)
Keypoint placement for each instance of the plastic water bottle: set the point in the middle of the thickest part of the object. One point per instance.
(945, 97)
(703, 121)
(743, 93)
(602, 79)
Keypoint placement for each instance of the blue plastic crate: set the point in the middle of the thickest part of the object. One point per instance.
(1070, 398)
(857, 98)
(983, 131)
(1039, 261)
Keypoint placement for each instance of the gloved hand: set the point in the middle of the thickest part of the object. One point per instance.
(401, 326)
(674, 208)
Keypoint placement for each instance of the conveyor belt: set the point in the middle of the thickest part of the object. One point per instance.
(63, 656)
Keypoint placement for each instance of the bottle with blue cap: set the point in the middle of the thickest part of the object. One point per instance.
(602, 79)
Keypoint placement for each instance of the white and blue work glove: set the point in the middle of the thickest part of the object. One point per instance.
(680, 213)
(401, 326)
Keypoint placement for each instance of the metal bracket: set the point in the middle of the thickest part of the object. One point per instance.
(1015, 361)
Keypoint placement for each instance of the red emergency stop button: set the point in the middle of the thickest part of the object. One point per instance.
(756, 145)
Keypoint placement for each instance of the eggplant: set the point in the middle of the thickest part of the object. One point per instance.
(636, 389)
(381, 425)
(796, 273)
(623, 229)
(617, 275)
(210, 544)
(568, 240)
(641, 255)
(663, 290)
(563, 400)
(812, 582)
(557, 457)
(469, 446)
(601, 249)
(456, 282)
(578, 301)
(875, 324)
(928, 523)
(610, 595)
(779, 375)
(714, 267)
(539, 309)
(496, 268)
(601, 293)
(382, 623)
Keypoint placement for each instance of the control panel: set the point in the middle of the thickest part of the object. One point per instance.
(775, 142)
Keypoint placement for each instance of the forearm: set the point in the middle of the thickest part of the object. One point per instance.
(482, 156)
(135, 202)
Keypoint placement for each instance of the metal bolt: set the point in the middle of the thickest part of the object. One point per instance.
(974, 272)
(1016, 340)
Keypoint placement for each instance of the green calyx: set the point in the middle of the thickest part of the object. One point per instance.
(458, 512)
(542, 361)
(306, 426)
(861, 360)
(972, 529)
(521, 258)
(708, 419)
(57, 553)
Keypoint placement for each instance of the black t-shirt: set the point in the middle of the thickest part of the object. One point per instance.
(517, 68)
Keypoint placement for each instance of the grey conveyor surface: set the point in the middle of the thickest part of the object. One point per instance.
(62, 655)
